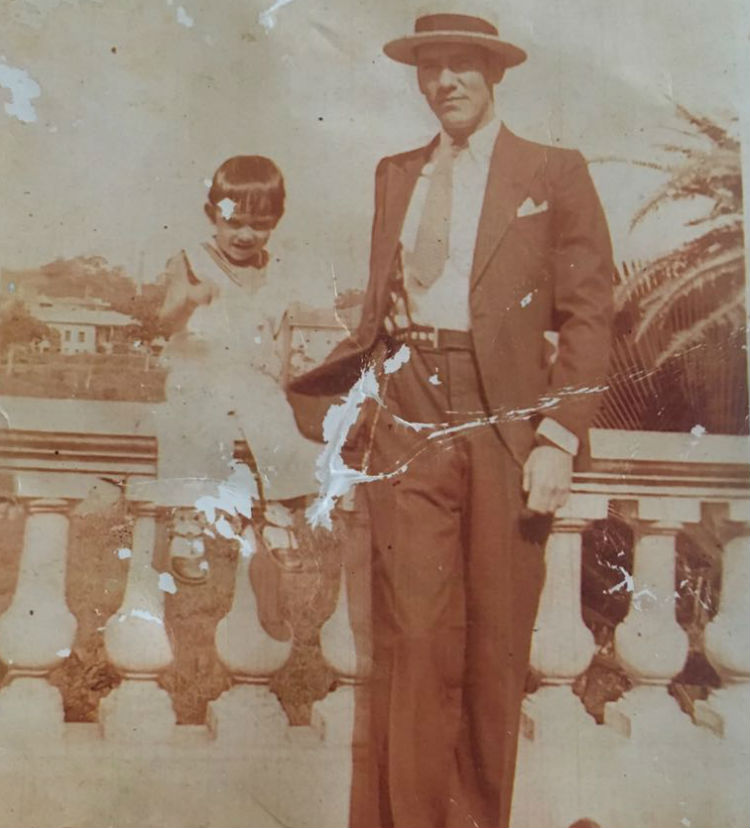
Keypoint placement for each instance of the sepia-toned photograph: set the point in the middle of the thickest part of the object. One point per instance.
(374, 427)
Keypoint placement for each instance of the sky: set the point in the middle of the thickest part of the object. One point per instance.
(124, 108)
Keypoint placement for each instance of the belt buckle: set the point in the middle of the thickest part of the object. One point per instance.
(427, 335)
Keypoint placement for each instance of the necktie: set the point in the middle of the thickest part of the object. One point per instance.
(431, 244)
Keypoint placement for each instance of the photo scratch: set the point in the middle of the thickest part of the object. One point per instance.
(23, 89)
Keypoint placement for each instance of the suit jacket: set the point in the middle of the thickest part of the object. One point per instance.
(545, 269)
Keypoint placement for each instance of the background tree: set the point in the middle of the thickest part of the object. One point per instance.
(18, 329)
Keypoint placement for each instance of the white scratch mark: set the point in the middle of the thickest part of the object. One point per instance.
(63, 653)
(267, 18)
(335, 477)
(167, 583)
(236, 495)
(627, 583)
(247, 545)
(144, 614)
(412, 425)
(224, 528)
(698, 431)
(434, 379)
(527, 299)
(686, 822)
(23, 89)
(184, 19)
(401, 357)
(235, 498)
(124, 553)
(226, 206)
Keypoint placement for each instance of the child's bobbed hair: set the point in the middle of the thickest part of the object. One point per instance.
(253, 182)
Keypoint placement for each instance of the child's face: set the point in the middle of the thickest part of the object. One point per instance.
(241, 236)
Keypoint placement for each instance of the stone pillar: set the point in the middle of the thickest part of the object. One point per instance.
(650, 644)
(555, 722)
(37, 630)
(138, 644)
(727, 646)
(241, 642)
(655, 735)
(562, 645)
(728, 635)
(346, 636)
(336, 635)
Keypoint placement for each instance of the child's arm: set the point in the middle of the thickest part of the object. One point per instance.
(184, 293)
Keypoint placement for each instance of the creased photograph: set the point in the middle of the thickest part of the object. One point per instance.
(374, 434)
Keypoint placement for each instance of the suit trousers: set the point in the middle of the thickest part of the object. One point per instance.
(456, 576)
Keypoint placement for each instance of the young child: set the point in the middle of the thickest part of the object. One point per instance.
(224, 306)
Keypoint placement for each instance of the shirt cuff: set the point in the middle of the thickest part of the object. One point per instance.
(551, 430)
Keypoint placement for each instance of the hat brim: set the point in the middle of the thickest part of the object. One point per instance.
(404, 49)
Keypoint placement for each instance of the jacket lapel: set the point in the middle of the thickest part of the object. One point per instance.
(514, 165)
(401, 179)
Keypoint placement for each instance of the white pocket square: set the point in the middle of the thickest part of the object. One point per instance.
(529, 208)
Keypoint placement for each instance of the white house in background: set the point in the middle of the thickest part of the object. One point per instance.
(85, 326)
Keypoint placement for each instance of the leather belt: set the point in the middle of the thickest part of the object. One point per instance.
(425, 336)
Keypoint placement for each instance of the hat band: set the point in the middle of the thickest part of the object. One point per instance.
(453, 23)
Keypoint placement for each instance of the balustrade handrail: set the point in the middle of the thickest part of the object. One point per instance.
(635, 462)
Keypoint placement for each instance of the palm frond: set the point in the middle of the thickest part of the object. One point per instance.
(730, 314)
(725, 233)
(705, 274)
(705, 126)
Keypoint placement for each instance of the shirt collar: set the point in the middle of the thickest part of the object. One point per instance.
(480, 143)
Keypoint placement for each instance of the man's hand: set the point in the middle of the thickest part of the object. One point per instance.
(546, 478)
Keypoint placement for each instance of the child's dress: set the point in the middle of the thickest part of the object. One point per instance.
(224, 383)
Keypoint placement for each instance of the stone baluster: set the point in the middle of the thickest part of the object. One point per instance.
(138, 644)
(242, 644)
(38, 630)
(728, 635)
(343, 637)
(336, 635)
(653, 647)
(650, 644)
(727, 646)
(563, 645)
(555, 723)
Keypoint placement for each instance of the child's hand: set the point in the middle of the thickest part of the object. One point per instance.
(202, 293)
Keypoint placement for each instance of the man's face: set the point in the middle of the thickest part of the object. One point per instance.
(457, 82)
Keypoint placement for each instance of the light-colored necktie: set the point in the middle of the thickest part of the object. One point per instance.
(431, 244)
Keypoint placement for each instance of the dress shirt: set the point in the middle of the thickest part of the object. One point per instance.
(445, 303)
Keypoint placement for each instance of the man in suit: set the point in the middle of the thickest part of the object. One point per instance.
(491, 262)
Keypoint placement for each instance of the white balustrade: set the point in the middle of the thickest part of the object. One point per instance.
(642, 771)
(242, 644)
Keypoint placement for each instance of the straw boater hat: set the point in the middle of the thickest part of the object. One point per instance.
(461, 22)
